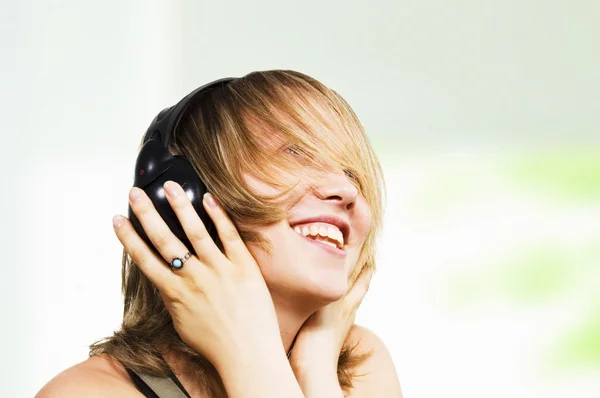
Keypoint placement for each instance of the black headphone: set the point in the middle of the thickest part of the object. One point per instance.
(155, 165)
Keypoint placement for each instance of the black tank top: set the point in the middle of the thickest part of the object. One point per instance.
(155, 387)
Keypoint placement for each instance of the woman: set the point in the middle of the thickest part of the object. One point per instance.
(266, 308)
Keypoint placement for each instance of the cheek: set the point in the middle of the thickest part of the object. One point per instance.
(363, 220)
(267, 261)
(361, 226)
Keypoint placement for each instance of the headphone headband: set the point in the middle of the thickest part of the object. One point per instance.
(164, 124)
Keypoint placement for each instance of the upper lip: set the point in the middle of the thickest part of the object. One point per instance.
(342, 224)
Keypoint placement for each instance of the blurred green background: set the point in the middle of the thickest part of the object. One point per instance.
(498, 257)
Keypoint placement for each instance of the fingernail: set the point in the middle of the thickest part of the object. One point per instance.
(134, 194)
(172, 188)
(117, 222)
(210, 199)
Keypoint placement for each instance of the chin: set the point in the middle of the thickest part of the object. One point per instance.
(325, 287)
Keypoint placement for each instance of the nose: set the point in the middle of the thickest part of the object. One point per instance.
(337, 188)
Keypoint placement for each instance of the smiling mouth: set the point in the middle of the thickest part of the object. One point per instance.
(322, 232)
(329, 245)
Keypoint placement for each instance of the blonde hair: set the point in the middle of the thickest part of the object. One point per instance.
(244, 128)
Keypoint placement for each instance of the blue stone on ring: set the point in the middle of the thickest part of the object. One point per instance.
(177, 263)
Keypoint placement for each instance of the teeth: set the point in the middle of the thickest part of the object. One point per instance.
(333, 233)
(329, 232)
(329, 243)
(314, 230)
(323, 231)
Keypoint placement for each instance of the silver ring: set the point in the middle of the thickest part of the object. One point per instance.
(177, 262)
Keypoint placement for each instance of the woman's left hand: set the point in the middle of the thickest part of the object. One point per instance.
(318, 344)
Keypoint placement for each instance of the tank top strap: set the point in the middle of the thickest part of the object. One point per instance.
(158, 387)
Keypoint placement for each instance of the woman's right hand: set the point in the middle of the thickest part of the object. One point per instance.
(219, 303)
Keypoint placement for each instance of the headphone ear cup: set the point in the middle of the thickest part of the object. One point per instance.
(155, 166)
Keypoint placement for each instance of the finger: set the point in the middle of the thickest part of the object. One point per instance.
(234, 246)
(195, 230)
(147, 260)
(162, 238)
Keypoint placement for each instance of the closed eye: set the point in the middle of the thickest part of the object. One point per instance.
(298, 152)
(354, 178)
(291, 151)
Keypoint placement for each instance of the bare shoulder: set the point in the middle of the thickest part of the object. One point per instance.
(380, 378)
(97, 376)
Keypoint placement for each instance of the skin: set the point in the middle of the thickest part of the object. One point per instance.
(242, 309)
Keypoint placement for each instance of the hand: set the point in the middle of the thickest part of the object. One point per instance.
(219, 303)
(318, 344)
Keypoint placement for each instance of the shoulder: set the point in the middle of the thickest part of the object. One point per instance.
(95, 377)
(378, 373)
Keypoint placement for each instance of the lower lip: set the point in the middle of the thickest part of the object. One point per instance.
(333, 250)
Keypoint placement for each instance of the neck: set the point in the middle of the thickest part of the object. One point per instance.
(290, 318)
